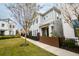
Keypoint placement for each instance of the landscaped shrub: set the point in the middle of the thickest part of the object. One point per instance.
(69, 43)
(33, 37)
(8, 37)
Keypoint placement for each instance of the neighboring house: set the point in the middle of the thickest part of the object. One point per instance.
(52, 23)
(7, 27)
(47, 23)
(34, 29)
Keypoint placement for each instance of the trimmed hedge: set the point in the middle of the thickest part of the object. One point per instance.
(9, 37)
(33, 38)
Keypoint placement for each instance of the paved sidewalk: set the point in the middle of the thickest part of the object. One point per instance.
(52, 49)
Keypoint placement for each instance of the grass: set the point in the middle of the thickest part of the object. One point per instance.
(11, 47)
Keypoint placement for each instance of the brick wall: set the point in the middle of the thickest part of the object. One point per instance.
(53, 41)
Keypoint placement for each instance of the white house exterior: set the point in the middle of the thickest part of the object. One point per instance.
(7, 27)
(47, 23)
(52, 21)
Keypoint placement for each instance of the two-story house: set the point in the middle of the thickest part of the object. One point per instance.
(52, 23)
(7, 27)
(47, 24)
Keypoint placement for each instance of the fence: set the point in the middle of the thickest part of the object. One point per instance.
(69, 44)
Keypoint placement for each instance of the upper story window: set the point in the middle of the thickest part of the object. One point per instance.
(3, 25)
(57, 17)
(60, 18)
(33, 23)
(13, 26)
(10, 26)
(36, 20)
(44, 18)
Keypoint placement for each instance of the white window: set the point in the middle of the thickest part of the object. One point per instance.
(3, 25)
(13, 26)
(44, 18)
(57, 17)
(33, 22)
(10, 26)
(36, 20)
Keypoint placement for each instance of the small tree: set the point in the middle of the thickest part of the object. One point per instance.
(23, 13)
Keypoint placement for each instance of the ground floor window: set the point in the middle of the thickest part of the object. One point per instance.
(34, 32)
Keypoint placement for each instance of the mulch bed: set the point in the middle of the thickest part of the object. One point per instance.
(76, 49)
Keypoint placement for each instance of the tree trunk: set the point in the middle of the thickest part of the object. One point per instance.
(26, 43)
(25, 38)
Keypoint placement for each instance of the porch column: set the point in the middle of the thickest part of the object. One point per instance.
(40, 31)
(50, 31)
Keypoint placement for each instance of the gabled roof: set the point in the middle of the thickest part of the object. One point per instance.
(53, 8)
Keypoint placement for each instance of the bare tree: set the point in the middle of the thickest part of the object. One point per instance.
(23, 13)
(66, 13)
(75, 9)
(70, 9)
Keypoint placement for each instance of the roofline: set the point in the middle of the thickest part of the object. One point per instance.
(54, 8)
(7, 19)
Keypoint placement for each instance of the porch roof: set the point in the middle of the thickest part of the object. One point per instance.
(45, 25)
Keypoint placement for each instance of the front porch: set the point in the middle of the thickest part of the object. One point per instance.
(46, 30)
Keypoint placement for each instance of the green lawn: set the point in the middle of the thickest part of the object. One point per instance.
(11, 47)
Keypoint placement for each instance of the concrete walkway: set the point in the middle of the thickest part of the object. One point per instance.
(52, 49)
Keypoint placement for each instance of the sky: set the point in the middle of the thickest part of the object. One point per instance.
(5, 13)
(45, 7)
